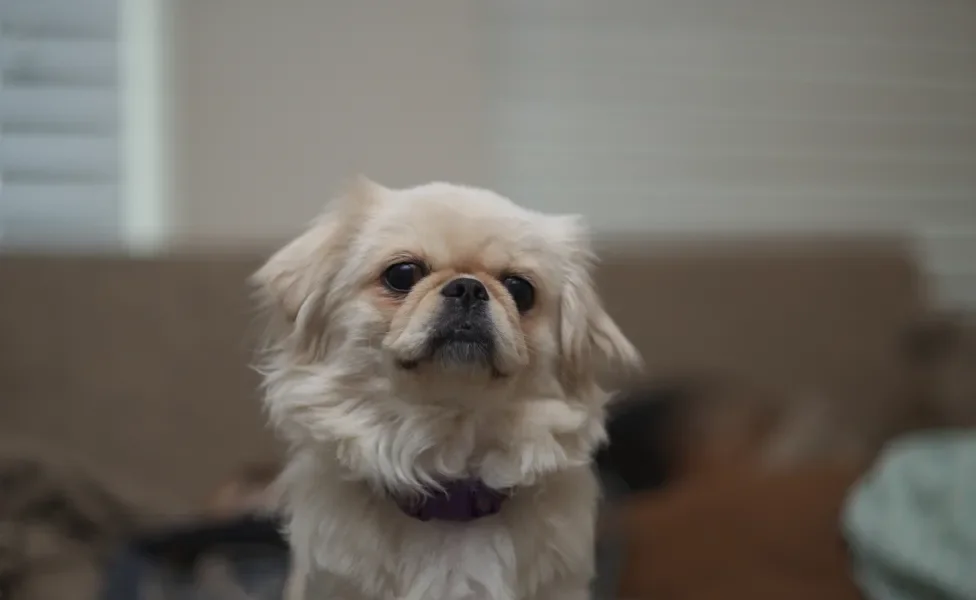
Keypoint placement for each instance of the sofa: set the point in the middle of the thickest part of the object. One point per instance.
(139, 367)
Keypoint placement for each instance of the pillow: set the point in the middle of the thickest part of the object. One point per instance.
(740, 532)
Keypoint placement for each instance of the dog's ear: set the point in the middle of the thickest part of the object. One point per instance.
(305, 268)
(591, 343)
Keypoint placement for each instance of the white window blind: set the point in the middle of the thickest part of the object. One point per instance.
(746, 115)
(59, 123)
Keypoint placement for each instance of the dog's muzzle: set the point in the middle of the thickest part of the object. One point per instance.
(462, 331)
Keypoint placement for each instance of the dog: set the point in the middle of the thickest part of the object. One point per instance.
(435, 358)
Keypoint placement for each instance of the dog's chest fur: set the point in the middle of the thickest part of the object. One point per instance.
(349, 543)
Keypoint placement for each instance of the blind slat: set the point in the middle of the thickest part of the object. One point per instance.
(54, 216)
(60, 233)
(59, 202)
(60, 18)
(59, 156)
(57, 61)
(58, 108)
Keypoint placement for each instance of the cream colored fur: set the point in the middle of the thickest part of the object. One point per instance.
(359, 425)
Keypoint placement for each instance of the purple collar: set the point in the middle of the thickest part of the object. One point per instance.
(458, 501)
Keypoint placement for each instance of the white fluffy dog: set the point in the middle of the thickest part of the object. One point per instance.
(433, 364)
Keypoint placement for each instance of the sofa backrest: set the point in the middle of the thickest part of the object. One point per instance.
(828, 314)
(141, 365)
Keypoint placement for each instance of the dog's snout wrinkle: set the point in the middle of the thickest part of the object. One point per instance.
(466, 289)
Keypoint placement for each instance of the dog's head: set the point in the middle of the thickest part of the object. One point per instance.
(421, 311)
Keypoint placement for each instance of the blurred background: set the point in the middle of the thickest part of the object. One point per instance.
(146, 125)
(779, 189)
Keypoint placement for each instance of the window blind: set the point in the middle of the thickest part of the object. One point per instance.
(744, 116)
(59, 123)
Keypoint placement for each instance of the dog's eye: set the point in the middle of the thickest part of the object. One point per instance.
(401, 277)
(522, 292)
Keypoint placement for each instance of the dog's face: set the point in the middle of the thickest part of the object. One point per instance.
(436, 296)
(464, 284)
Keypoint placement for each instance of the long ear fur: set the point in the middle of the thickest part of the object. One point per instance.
(592, 344)
(302, 272)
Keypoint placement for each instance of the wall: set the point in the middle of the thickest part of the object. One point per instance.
(277, 102)
(664, 116)
(658, 117)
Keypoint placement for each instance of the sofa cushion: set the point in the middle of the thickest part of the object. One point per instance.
(739, 533)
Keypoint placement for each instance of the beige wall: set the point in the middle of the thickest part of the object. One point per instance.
(276, 102)
(646, 117)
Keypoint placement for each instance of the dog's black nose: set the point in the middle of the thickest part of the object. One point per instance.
(466, 289)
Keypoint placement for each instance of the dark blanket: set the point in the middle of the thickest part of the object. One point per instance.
(58, 525)
(241, 559)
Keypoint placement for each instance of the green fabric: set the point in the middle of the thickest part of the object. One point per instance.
(911, 521)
